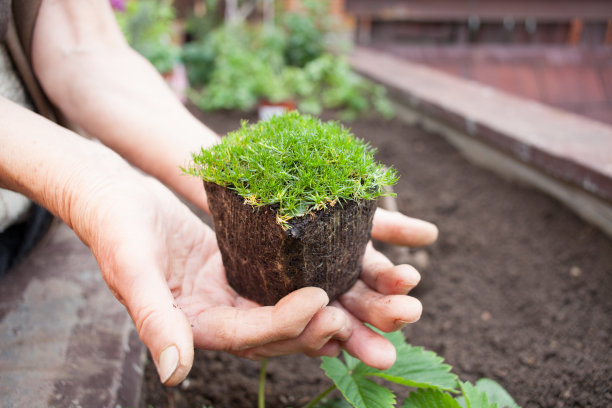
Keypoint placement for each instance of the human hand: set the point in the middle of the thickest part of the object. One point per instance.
(379, 296)
(164, 265)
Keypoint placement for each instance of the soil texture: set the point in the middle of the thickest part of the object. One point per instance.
(264, 262)
(517, 288)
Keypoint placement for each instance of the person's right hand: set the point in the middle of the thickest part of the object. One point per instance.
(164, 265)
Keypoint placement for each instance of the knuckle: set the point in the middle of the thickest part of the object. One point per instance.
(291, 331)
(334, 320)
(228, 332)
(253, 355)
(250, 354)
(378, 272)
(145, 320)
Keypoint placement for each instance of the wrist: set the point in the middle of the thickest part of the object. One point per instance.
(55, 167)
(76, 194)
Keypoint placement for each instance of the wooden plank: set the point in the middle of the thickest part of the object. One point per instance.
(588, 206)
(364, 30)
(575, 31)
(491, 10)
(608, 39)
(565, 146)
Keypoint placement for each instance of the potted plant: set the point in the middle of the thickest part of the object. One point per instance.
(150, 29)
(276, 67)
(292, 200)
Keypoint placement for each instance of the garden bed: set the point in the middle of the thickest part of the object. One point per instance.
(517, 289)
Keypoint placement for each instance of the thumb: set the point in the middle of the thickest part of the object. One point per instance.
(161, 325)
(395, 228)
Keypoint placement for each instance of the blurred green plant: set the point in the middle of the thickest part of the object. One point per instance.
(234, 67)
(237, 64)
(148, 25)
(199, 25)
(306, 32)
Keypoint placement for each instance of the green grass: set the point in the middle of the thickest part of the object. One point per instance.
(294, 161)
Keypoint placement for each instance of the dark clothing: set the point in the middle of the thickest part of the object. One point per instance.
(5, 13)
(19, 239)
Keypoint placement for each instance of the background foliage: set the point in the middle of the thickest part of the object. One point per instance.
(236, 64)
(148, 27)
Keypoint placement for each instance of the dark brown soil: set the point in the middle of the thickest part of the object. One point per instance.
(517, 289)
(318, 250)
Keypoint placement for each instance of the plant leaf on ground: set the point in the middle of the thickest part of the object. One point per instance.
(415, 367)
(333, 403)
(495, 393)
(430, 398)
(474, 398)
(356, 389)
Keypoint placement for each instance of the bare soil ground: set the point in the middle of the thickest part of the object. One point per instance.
(517, 288)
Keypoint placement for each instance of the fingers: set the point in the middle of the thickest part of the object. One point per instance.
(386, 312)
(316, 339)
(331, 349)
(161, 325)
(368, 346)
(398, 229)
(233, 329)
(379, 273)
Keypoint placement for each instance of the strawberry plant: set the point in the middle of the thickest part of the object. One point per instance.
(434, 383)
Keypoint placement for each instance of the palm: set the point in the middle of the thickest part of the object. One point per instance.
(164, 264)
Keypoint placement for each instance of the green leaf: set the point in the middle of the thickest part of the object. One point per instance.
(496, 393)
(357, 390)
(416, 367)
(350, 361)
(396, 338)
(474, 398)
(333, 403)
(430, 398)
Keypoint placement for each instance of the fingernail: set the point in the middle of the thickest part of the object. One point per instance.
(400, 324)
(343, 334)
(168, 363)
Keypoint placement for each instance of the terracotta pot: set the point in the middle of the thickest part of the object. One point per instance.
(267, 109)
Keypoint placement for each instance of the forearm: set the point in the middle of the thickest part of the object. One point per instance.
(117, 96)
(54, 167)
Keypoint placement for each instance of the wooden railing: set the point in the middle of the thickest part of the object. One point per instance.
(575, 16)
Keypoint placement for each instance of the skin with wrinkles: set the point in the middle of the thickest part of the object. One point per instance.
(159, 260)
